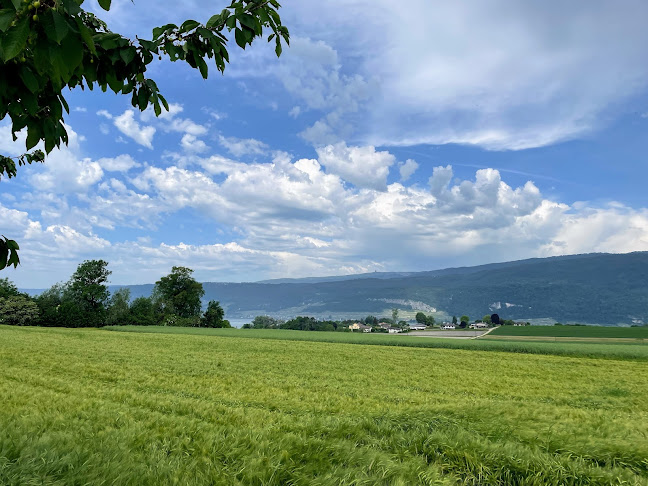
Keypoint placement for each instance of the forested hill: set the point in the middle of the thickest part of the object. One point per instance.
(592, 288)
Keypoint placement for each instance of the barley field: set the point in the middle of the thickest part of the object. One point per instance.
(598, 349)
(91, 406)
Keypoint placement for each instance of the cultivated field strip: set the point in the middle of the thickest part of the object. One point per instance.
(601, 332)
(600, 349)
(95, 407)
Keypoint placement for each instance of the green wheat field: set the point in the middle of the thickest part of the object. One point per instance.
(154, 408)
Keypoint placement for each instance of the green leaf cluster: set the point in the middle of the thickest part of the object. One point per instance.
(8, 253)
(8, 165)
(46, 47)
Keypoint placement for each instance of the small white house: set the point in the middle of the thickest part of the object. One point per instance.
(479, 325)
(393, 330)
(447, 326)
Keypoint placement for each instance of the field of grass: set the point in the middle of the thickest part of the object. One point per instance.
(573, 331)
(610, 351)
(94, 407)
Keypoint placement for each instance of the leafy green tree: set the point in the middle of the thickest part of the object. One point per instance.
(487, 319)
(395, 315)
(88, 290)
(495, 319)
(454, 320)
(142, 312)
(213, 316)
(179, 293)
(265, 322)
(8, 288)
(371, 321)
(48, 304)
(119, 308)
(421, 318)
(18, 310)
(71, 314)
(300, 323)
(465, 318)
(49, 46)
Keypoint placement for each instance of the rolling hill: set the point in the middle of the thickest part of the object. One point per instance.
(591, 288)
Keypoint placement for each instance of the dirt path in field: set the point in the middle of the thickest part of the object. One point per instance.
(471, 334)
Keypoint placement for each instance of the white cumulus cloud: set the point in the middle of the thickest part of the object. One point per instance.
(362, 166)
(127, 124)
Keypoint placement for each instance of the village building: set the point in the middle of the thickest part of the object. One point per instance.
(479, 325)
(417, 327)
(357, 326)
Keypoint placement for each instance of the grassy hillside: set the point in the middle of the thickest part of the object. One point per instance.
(96, 407)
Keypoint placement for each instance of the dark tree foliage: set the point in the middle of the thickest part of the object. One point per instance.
(303, 323)
(119, 308)
(495, 319)
(87, 290)
(142, 312)
(371, 321)
(213, 316)
(71, 314)
(179, 293)
(421, 318)
(265, 322)
(48, 304)
(8, 288)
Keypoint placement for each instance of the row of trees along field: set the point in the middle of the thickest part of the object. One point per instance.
(84, 301)
(299, 323)
(464, 321)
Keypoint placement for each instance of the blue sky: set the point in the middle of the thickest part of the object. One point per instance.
(389, 136)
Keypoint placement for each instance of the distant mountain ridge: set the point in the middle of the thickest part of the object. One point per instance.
(591, 288)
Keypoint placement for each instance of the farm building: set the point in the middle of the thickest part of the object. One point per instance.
(417, 327)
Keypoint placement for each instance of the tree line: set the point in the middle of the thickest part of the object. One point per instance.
(85, 301)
